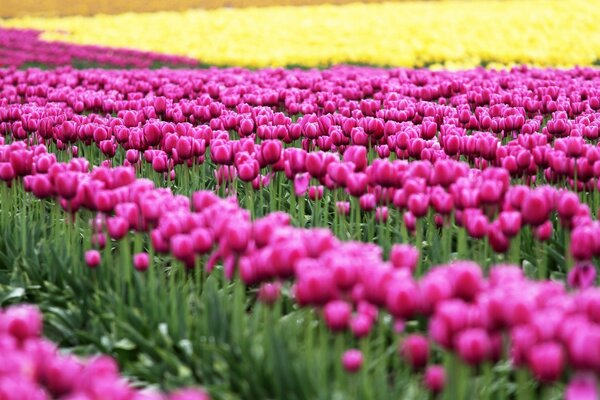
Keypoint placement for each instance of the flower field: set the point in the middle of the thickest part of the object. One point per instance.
(174, 230)
(459, 34)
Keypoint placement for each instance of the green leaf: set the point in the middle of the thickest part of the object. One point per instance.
(124, 344)
(16, 293)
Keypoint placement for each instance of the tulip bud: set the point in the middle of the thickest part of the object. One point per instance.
(361, 325)
(141, 261)
(582, 276)
(546, 361)
(118, 227)
(535, 209)
(337, 315)
(352, 360)
(435, 378)
(404, 256)
(269, 292)
(582, 387)
(415, 349)
(92, 258)
(21, 322)
(473, 345)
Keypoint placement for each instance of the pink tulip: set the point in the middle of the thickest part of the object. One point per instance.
(415, 350)
(435, 378)
(352, 360)
(92, 258)
(337, 315)
(141, 261)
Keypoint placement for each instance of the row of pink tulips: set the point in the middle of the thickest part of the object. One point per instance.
(483, 202)
(19, 47)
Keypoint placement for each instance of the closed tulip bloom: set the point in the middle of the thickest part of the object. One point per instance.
(418, 204)
(543, 232)
(182, 247)
(268, 293)
(582, 276)
(404, 256)
(238, 236)
(343, 207)
(184, 147)
(473, 345)
(92, 258)
(467, 279)
(104, 201)
(497, 239)
(315, 192)
(476, 223)
(583, 242)
(535, 209)
(152, 134)
(248, 170)
(301, 182)
(98, 240)
(41, 186)
(203, 240)
(160, 164)
(402, 298)
(141, 261)
(132, 155)
(246, 127)
(22, 162)
(316, 164)
(21, 322)
(271, 151)
(356, 184)
(7, 173)
(410, 221)
(61, 374)
(357, 155)
(352, 360)
(582, 387)
(66, 184)
(567, 205)
(435, 378)
(361, 325)
(510, 222)
(415, 350)
(130, 119)
(546, 361)
(118, 227)
(381, 215)
(367, 202)
(337, 315)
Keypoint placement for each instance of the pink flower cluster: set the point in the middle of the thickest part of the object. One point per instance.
(33, 368)
(539, 324)
(20, 47)
(422, 128)
(548, 327)
(426, 143)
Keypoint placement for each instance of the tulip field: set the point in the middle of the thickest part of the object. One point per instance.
(179, 225)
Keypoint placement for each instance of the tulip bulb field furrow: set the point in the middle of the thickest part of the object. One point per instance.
(462, 33)
(301, 234)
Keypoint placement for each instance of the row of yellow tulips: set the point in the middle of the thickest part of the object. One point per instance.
(450, 33)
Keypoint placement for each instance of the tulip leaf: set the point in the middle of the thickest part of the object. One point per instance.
(14, 294)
